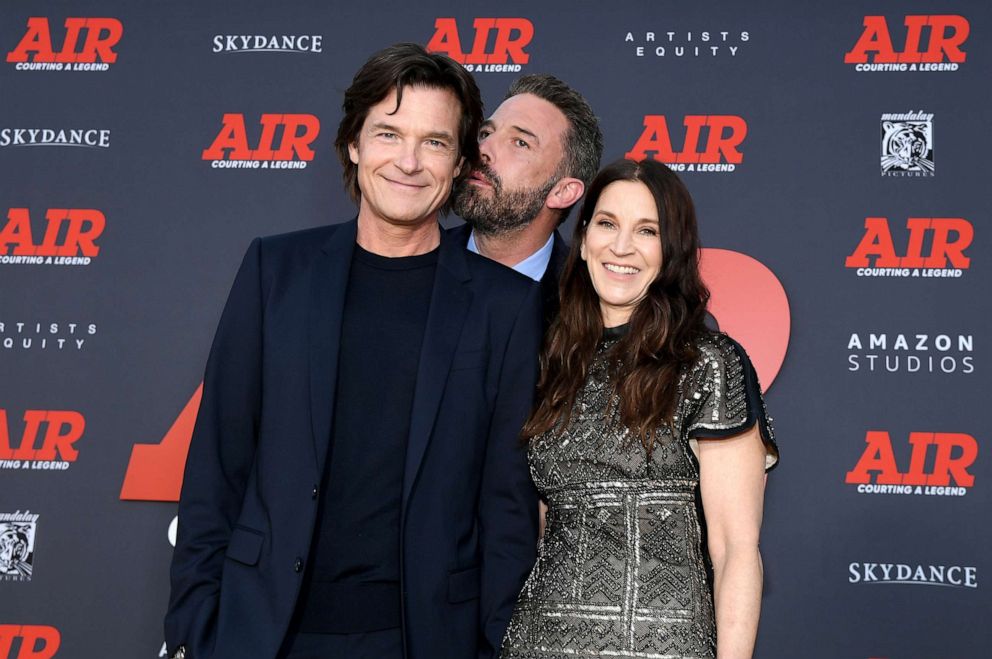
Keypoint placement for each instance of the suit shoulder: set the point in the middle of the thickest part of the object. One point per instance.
(287, 255)
(485, 268)
(302, 240)
(497, 277)
(460, 232)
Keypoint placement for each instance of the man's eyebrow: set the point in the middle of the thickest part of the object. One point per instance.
(381, 125)
(488, 123)
(526, 132)
(440, 135)
(433, 135)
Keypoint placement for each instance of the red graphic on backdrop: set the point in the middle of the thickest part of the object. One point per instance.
(87, 42)
(747, 301)
(155, 471)
(284, 142)
(929, 39)
(511, 36)
(949, 238)
(953, 454)
(62, 429)
(69, 232)
(36, 641)
(709, 140)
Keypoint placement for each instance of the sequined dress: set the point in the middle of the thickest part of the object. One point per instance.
(622, 570)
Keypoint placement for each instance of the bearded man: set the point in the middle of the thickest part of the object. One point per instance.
(538, 151)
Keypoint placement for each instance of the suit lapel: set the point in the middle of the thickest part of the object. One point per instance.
(450, 301)
(328, 284)
(559, 254)
(549, 282)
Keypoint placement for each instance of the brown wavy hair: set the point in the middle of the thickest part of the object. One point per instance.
(663, 327)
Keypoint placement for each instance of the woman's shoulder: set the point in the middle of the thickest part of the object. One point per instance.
(719, 350)
(727, 394)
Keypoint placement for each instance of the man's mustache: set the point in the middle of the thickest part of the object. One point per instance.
(486, 172)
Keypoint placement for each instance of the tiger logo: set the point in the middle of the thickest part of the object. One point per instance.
(907, 146)
(15, 549)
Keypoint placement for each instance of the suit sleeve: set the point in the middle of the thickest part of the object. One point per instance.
(220, 457)
(508, 500)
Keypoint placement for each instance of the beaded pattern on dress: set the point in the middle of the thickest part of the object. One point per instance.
(621, 571)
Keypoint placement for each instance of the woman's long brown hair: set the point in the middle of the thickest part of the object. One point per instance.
(663, 327)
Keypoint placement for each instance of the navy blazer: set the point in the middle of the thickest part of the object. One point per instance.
(549, 282)
(249, 499)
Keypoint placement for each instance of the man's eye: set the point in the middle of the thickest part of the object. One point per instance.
(483, 134)
(521, 143)
(437, 144)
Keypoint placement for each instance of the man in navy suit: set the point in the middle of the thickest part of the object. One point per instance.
(355, 485)
(539, 150)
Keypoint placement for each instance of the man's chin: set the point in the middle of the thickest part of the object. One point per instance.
(468, 194)
(478, 220)
(467, 208)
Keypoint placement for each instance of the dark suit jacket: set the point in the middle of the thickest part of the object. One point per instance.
(249, 498)
(549, 282)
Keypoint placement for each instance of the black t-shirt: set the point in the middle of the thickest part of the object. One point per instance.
(352, 582)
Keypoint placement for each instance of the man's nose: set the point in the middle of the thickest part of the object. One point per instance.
(408, 160)
(486, 151)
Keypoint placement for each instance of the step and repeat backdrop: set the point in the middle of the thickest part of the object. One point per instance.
(838, 154)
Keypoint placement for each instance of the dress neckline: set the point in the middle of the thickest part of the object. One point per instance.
(611, 333)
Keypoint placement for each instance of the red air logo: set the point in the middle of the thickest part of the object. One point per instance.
(497, 43)
(46, 442)
(710, 143)
(88, 45)
(932, 43)
(939, 465)
(284, 143)
(69, 237)
(29, 641)
(935, 248)
(735, 281)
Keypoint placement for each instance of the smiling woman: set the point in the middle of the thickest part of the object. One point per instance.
(649, 445)
(621, 248)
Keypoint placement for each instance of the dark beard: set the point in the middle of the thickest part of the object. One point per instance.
(502, 212)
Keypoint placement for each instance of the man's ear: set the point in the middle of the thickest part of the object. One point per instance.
(458, 167)
(353, 152)
(566, 192)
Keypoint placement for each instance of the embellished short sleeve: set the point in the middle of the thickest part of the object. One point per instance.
(725, 396)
